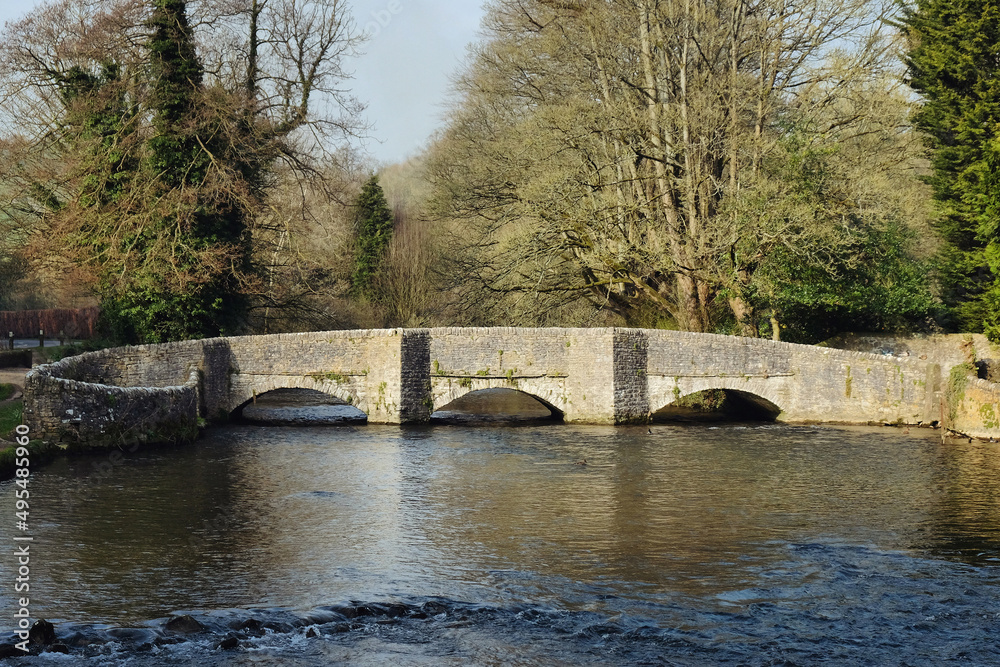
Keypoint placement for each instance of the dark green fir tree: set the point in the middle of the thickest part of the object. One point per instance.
(373, 230)
(953, 65)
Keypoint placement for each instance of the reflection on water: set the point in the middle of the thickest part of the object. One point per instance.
(966, 509)
(674, 525)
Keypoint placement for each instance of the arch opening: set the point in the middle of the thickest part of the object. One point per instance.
(715, 405)
(497, 405)
(298, 407)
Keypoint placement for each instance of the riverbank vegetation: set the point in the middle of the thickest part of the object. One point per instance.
(760, 169)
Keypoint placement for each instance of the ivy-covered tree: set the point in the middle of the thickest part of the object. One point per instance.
(141, 154)
(952, 62)
(373, 228)
(186, 283)
(877, 287)
(848, 260)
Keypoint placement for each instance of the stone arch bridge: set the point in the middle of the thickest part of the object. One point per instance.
(605, 376)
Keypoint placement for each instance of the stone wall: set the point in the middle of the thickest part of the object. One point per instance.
(64, 403)
(398, 376)
(945, 350)
(805, 383)
(973, 408)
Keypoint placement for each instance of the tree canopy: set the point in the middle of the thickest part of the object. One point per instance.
(634, 156)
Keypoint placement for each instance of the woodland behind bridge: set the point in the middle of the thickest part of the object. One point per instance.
(765, 168)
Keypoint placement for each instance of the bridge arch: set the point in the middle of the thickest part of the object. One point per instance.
(244, 394)
(299, 407)
(547, 391)
(499, 403)
(718, 403)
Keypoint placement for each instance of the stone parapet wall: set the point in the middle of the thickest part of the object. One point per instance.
(806, 383)
(945, 350)
(683, 354)
(84, 415)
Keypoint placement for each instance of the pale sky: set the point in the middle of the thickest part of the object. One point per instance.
(416, 46)
(404, 75)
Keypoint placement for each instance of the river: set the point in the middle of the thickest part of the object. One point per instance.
(539, 544)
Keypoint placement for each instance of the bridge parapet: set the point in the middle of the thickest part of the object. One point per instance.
(75, 402)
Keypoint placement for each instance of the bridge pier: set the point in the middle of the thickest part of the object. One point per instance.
(415, 403)
(630, 365)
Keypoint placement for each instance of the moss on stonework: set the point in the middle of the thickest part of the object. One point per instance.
(958, 381)
(39, 453)
(988, 415)
(332, 377)
(176, 433)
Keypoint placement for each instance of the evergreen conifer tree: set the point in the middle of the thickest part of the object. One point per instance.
(952, 61)
(373, 225)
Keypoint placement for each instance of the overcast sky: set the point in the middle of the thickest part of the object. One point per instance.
(416, 46)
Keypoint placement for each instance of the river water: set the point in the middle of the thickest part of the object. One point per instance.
(547, 544)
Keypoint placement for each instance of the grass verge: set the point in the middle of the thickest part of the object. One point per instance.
(10, 413)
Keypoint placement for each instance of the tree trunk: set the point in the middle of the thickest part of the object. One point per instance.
(693, 311)
(744, 314)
